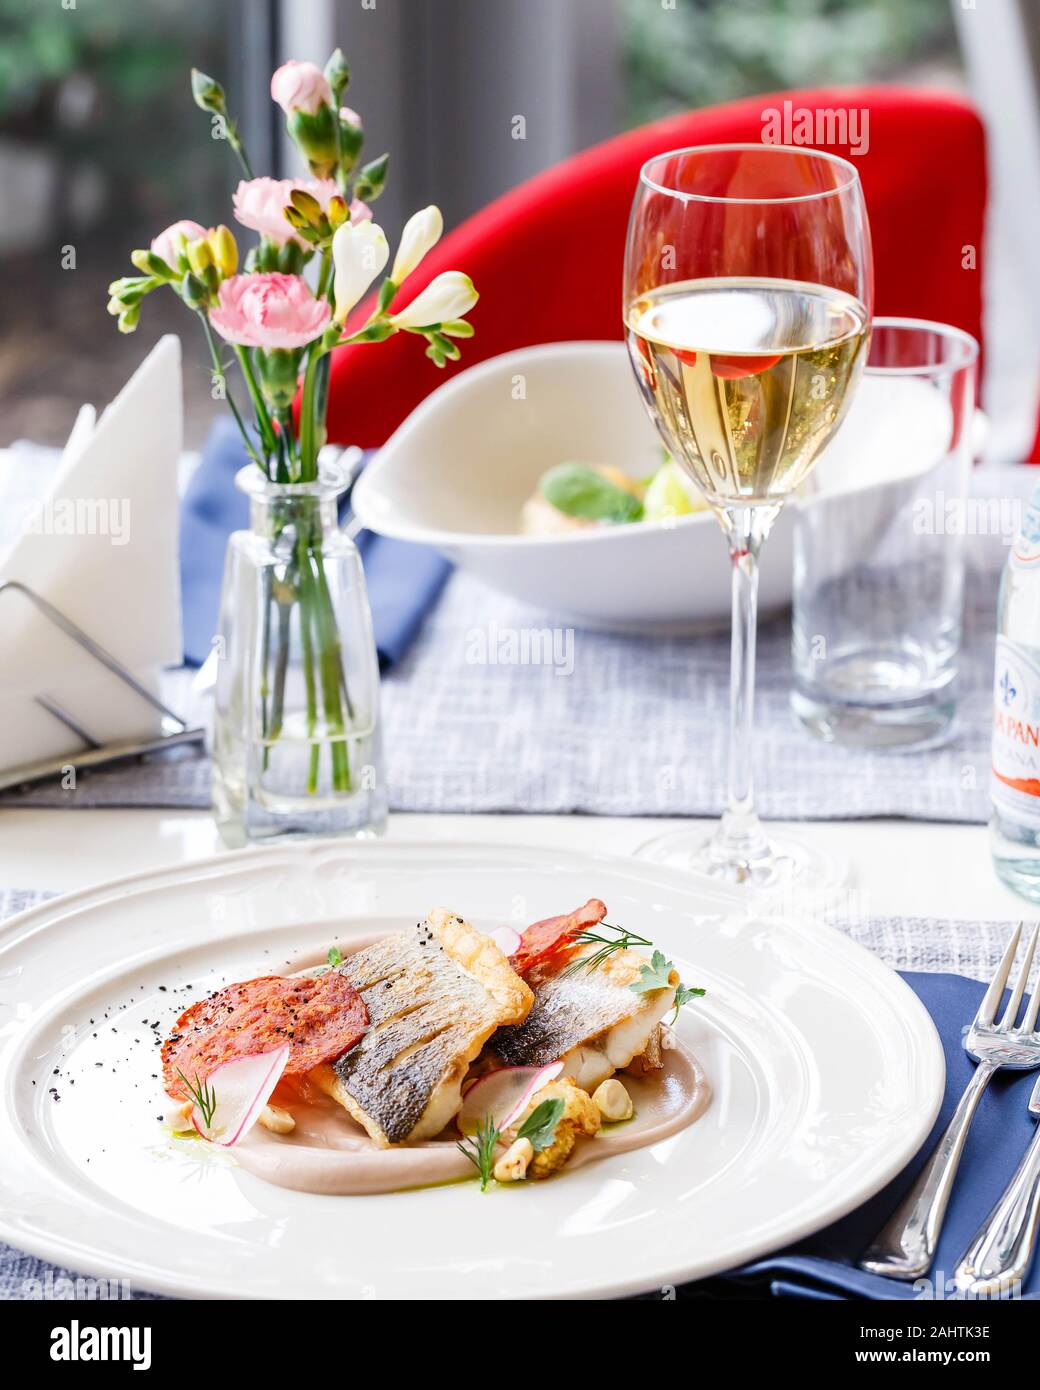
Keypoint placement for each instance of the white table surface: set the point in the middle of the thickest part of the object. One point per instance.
(900, 868)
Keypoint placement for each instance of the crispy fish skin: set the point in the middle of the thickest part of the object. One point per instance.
(591, 1020)
(434, 994)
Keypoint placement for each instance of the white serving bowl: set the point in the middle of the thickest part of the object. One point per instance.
(456, 474)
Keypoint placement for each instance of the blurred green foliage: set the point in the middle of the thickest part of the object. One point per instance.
(105, 84)
(136, 49)
(706, 51)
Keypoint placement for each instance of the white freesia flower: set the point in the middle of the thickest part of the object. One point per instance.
(360, 252)
(421, 232)
(447, 297)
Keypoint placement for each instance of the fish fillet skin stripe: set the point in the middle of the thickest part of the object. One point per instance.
(434, 995)
(591, 1020)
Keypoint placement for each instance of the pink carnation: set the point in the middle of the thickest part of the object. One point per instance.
(167, 243)
(300, 87)
(269, 311)
(260, 204)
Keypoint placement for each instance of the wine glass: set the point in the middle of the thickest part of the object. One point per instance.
(747, 301)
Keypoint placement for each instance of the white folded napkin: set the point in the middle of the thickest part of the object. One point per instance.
(100, 544)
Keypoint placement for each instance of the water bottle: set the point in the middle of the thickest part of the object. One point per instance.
(1015, 781)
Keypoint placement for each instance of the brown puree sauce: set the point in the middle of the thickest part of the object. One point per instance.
(328, 1153)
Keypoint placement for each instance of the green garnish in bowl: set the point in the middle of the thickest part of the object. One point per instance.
(578, 491)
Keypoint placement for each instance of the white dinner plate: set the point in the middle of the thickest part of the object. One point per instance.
(826, 1070)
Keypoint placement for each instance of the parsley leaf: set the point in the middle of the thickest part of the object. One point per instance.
(335, 956)
(540, 1125)
(683, 996)
(655, 975)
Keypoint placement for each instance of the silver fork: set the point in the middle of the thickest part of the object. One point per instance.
(905, 1247)
(1002, 1250)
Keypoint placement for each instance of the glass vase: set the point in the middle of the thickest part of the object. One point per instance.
(296, 738)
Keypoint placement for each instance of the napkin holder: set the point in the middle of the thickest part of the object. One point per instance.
(176, 730)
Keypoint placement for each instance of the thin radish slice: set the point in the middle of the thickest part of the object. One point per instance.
(506, 939)
(542, 1078)
(242, 1087)
(504, 1095)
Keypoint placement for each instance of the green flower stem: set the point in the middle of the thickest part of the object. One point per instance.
(288, 438)
(312, 406)
(265, 661)
(316, 599)
(267, 431)
(336, 656)
(321, 396)
(331, 675)
(325, 274)
(376, 330)
(308, 434)
(305, 587)
(218, 371)
(281, 668)
(342, 179)
(308, 667)
(235, 141)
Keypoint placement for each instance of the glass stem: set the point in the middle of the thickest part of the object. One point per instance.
(740, 842)
(744, 559)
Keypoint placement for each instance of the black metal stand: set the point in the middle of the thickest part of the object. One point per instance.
(94, 754)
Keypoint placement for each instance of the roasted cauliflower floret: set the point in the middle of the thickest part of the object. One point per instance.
(580, 1117)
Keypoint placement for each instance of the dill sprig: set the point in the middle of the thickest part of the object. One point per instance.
(480, 1150)
(622, 940)
(655, 975)
(204, 1096)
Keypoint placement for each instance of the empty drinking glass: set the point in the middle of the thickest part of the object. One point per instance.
(879, 546)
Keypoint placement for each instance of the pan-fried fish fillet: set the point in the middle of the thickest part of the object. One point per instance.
(591, 1019)
(434, 994)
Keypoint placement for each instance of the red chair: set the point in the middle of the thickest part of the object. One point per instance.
(547, 256)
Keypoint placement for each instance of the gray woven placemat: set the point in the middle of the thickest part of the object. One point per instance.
(610, 725)
(906, 943)
(638, 726)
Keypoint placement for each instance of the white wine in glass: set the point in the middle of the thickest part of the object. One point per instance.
(748, 292)
(746, 379)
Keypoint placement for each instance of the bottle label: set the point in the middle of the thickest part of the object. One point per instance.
(1025, 553)
(1016, 734)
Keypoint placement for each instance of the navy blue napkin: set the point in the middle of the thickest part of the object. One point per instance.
(825, 1265)
(404, 580)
